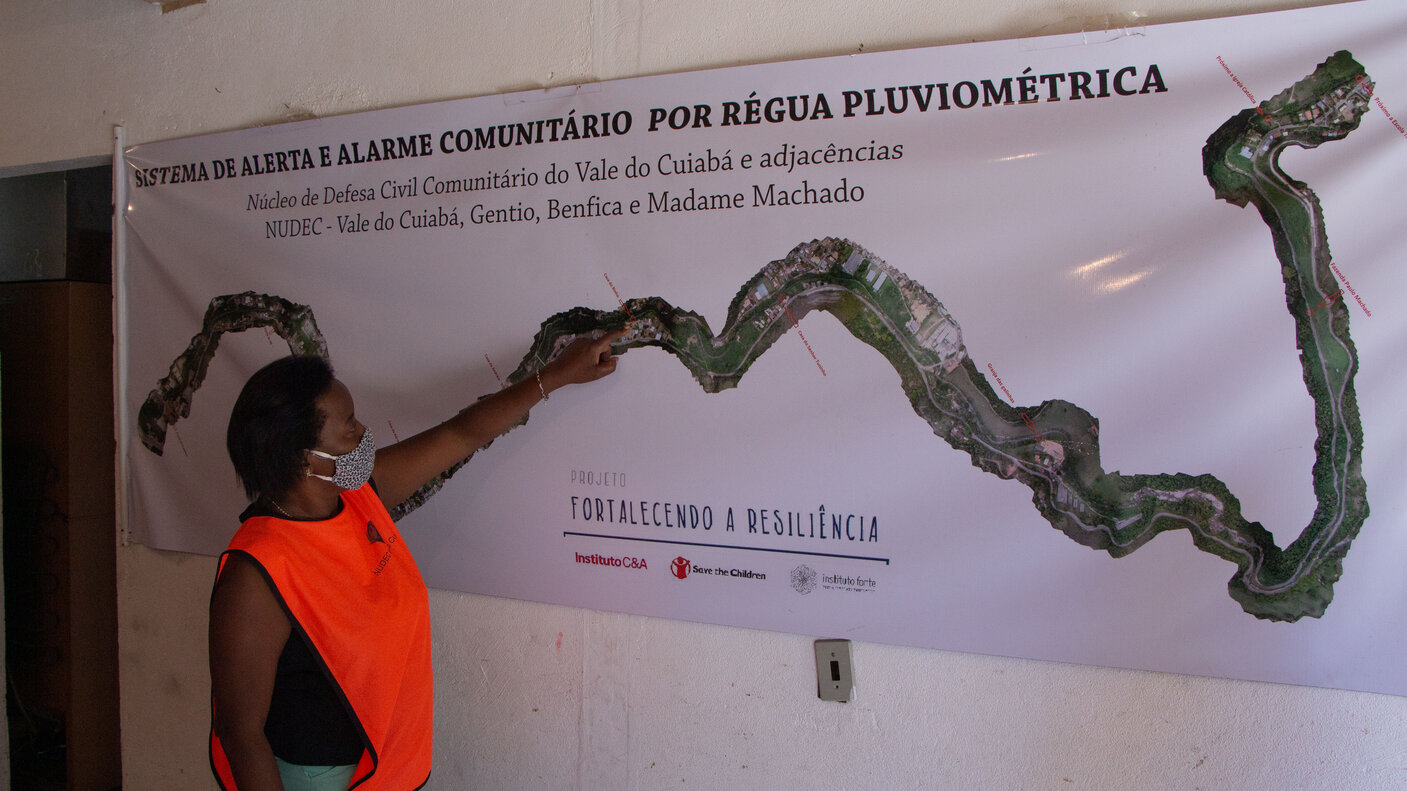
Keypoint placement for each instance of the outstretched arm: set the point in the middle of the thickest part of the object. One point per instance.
(404, 467)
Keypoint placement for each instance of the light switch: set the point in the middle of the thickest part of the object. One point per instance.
(835, 677)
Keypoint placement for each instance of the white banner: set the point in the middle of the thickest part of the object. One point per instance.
(927, 347)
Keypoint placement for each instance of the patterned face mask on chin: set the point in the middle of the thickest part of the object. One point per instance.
(350, 470)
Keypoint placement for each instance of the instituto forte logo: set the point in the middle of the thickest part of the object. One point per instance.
(803, 579)
(680, 567)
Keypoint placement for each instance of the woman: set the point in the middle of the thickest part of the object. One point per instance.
(319, 621)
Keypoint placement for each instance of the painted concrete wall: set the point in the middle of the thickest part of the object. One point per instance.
(543, 697)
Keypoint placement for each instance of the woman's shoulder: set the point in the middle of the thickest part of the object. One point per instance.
(241, 582)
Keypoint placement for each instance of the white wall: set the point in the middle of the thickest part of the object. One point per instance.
(536, 696)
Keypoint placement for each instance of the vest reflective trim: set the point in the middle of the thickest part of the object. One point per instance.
(350, 585)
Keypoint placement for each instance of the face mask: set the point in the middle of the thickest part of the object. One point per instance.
(350, 470)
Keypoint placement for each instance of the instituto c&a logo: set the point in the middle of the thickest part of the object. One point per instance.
(680, 567)
(803, 579)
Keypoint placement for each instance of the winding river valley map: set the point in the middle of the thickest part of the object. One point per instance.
(1051, 447)
(851, 562)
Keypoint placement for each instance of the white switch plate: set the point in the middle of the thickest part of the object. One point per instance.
(835, 675)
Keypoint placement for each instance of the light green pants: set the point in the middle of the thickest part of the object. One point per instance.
(314, 778)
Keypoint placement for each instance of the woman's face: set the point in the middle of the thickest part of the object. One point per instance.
(341, 431)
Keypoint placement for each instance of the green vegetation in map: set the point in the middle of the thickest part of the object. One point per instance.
(1052, 448)
(171, 400)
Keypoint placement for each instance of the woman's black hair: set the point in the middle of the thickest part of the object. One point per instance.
(274, 420)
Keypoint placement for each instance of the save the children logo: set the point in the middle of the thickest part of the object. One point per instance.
(679, 567)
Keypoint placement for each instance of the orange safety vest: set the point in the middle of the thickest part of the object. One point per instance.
(349, 584)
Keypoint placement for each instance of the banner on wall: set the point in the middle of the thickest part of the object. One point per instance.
(1082, 348)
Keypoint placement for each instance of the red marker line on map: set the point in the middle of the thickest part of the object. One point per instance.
(1394, 121)
(269, 335)
(1378, 100)
(1351, 290)
(803, 337)
(178, 439)
(393, 431)
(999, 383)
(1327, 300)
(495, 372)
(618, 299)
(1025, 418)
(1244, 89)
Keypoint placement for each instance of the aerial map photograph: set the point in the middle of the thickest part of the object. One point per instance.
(904, 374)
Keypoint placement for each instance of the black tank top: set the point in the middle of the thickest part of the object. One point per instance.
(310, 722)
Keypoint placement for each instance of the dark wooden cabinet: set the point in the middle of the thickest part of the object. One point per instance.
(56, 425)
